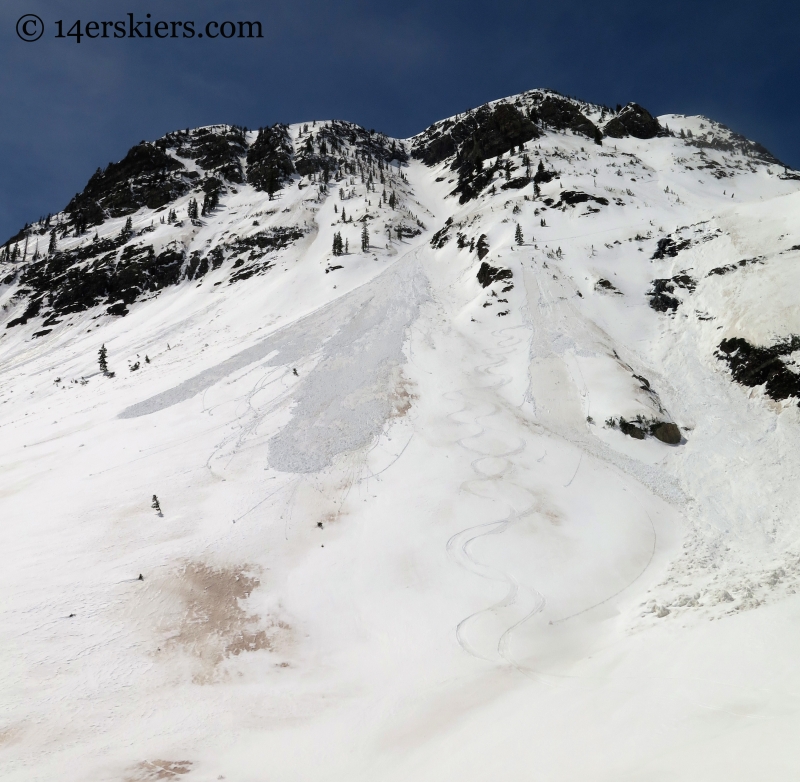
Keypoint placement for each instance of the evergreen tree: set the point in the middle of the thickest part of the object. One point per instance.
(103, 359)
(364, 238)
(518, 235)
(51, 248)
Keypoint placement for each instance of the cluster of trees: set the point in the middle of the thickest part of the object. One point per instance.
(340, 247)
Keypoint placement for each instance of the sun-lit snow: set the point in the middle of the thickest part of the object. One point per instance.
(402, 535)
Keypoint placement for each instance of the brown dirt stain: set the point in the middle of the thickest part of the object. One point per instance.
(402, 396)
(152, 770)
(214, 624)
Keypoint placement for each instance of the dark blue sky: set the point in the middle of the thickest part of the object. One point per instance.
(395, 66)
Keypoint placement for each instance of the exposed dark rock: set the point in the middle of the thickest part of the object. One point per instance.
(324, 152)
(489, 274)
(562, 114)
(442, 237)
(660, 298)
(542, 175)
(731, 267)
(631, 429)
(269, 159)
(573, 197)
(755, 366)
(666, 432)
(31, 311)
(634, 121)
(606, 285)
(119, 309)
(217, 150)
(482, 134)
(146, 176)
(517, 183)
(641, 427)
(668, 247)
(266, 241)
(69, 284)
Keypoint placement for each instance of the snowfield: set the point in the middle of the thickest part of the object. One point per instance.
(403, 532)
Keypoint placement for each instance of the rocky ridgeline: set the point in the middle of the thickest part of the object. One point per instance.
(206, 163)
(482, 150)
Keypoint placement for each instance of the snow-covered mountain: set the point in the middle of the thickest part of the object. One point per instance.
(470, 455)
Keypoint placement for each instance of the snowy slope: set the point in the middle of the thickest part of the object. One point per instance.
(419, 517)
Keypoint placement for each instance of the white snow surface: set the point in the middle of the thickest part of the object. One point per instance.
(398, 539)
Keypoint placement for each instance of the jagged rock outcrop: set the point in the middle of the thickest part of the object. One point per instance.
(633, 120)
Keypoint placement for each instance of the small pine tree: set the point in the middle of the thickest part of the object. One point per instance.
(364, 238)
(51, 248)
(518, 235)
(103, 359)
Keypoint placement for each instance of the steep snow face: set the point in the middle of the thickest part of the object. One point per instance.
(412, 458)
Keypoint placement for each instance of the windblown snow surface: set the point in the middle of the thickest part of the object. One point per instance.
(403, 536)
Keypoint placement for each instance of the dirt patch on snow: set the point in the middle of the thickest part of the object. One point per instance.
(403, 396)
(214, 624)
(9, 734)
(152, 770)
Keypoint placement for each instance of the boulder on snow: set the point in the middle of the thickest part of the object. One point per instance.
(630, 429)
(666, 432)
(489, 274)
(633, 120)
